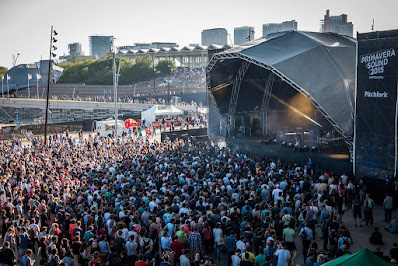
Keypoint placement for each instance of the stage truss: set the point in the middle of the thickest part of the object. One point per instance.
(224, 56)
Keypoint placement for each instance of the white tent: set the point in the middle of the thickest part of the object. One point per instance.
(159, 110)
(107, 127)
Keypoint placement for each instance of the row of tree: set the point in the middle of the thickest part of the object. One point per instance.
(99, 72)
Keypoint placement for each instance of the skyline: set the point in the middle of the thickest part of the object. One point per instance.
(26, 29)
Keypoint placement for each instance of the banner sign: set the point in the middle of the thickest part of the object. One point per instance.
(376, 99)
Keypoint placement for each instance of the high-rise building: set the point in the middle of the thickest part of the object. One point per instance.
(214, 36)
(75, 49)
(243, 34)
(277, 27)
(100, 45)
(337, 24)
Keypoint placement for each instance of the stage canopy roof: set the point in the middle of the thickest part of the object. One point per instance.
(321, 66)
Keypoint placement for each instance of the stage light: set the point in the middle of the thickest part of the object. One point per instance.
(53, 55)
(55, 33)
(55, 40)
(296, 110)
(55, 48)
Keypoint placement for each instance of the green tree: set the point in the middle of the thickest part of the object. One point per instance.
(164, 67)
(3, 71)
(99, 72)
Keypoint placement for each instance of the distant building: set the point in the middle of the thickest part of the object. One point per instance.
(155, 45)
(100, 45)
(337, 24)
(243, 34)
(214, 36)
(75, 49)
(277, 27)
(37, 73)
(158, 45)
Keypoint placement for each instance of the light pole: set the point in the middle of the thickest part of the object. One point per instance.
(154, 69)
(115, 92)
(16, 115)
(37, 84)
(52, 39)
(168, 84)
(8, 88)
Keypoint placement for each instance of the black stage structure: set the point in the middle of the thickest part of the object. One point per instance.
(375, 128)
(293, 90)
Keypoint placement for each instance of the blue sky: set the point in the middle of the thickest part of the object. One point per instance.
(25, 24)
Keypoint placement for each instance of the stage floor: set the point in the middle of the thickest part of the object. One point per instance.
(330, 159)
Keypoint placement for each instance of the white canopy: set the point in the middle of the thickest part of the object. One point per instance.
(159, 110)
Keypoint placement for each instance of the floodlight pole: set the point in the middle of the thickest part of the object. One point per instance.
(48, 88)
(153, 68)
(115, 94)
(168, 84)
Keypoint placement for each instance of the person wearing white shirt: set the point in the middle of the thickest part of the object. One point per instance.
(236, 257)
(184, 209)
(275, 192)
(152, 205)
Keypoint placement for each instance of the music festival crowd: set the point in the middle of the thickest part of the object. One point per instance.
(95, 201)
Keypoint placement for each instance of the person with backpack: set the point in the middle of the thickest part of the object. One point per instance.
(368, 205)
(357, 210)
(306, 236)
(77, 230)
(182, 236)
(344, 240)
(7, 255)
(53, 259)
(145, 242)
(23, 241)
(27, 260)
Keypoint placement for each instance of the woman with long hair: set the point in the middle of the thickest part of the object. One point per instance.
(206, 235)
(96, 260)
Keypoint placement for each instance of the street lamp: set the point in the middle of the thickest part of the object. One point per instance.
(52, 55)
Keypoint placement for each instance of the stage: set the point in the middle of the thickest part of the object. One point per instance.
(330, 158)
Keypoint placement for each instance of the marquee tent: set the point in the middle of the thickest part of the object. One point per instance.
(363, 258)
(155, 111)
(320, 66)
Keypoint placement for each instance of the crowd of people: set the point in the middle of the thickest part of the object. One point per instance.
(98, 201)
(128, 98)
(190, 78)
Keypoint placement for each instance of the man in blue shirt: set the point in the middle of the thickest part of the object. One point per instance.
(23, 242)
(306, 236)
(230, 242)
